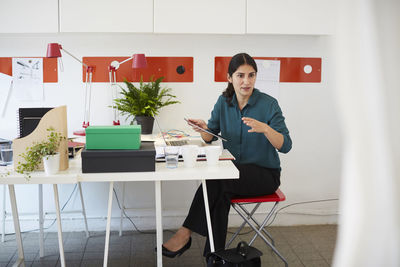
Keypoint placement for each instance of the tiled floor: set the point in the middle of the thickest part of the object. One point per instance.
(301, 245)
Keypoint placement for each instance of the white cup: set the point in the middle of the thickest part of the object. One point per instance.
(212, 154)
(189, 154)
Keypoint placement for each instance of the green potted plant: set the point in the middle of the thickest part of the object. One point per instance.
(45, 151)
(144, 102)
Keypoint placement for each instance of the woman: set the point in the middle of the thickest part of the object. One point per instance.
(253, 124)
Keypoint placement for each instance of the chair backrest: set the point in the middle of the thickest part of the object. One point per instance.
(275, 197)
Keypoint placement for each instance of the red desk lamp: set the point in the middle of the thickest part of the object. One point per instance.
(54, 50)
(138, 61)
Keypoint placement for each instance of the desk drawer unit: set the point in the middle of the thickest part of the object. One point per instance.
(107, 160)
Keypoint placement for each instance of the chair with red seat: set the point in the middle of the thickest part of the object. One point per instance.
(239, 205)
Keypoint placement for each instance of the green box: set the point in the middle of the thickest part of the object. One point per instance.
(113, 137)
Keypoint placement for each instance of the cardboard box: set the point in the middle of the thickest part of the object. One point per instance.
(140, 160)
(113, 137)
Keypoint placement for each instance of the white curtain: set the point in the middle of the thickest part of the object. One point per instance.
(367, 55)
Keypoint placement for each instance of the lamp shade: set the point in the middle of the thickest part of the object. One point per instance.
(139, 61)
(53, 50)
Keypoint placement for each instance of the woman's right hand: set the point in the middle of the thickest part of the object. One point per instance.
(199, 123)
(203, 125)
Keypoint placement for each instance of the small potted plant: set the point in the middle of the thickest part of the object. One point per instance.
(144, 102)
(45, 151)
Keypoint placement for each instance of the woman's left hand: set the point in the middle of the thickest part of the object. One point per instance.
(274, 137)
(255, 125)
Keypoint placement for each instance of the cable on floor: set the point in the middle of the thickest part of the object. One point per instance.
(284, 207)
(52, 223)
(126, 216)
(134, 225)
(297, 203)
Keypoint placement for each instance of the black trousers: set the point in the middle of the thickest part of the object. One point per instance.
(253, 181)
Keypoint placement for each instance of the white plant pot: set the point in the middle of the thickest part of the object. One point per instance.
(51, 164)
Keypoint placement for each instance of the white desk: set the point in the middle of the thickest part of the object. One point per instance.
(224, 170)
(64, 177)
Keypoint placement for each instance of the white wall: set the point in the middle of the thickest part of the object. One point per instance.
(311, 170)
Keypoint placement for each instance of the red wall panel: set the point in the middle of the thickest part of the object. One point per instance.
(292, 69)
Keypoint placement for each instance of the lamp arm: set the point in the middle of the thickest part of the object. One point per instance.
(75, 58)
(115, 64)
(122, 62)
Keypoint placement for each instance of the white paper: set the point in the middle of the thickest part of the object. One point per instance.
(5, 90)
(28, 78)
(268, 76)
(160, 151)
(225, 155)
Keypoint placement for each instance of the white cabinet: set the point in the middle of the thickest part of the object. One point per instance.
(168, 16)
(106, 16)
(200, 16)
(27, 16)
(290, 16)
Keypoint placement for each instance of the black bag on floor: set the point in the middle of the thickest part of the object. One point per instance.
(241, 256)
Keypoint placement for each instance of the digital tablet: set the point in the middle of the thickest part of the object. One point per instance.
(204, 130)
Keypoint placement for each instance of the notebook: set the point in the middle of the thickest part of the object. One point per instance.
(29, 118)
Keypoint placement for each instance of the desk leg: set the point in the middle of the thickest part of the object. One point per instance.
(3, 215)
(207, 208)
(58, 214)
(159, 228)
(83, 209)
(121, 218)
(41, 218)
(110, 198)
(14, 209)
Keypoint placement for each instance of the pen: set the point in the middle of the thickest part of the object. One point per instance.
(22, 64)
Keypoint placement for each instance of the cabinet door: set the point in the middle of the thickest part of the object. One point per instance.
(200, 16)
(106, 16)
(290, 16)
(27, 16)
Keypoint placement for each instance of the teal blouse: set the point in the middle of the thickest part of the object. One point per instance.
(250, 147)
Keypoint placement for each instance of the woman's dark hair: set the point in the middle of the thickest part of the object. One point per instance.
(237, 61)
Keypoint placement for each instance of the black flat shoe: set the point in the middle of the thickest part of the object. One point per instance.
(172, 254)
